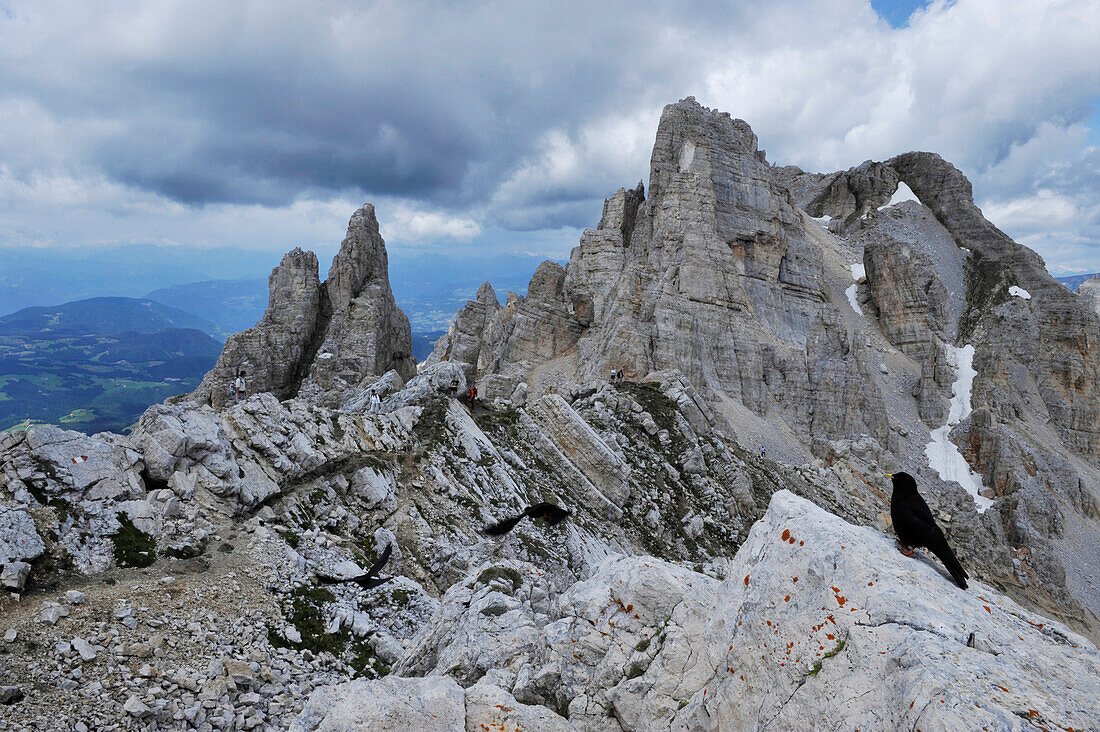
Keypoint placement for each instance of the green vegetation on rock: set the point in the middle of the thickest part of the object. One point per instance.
(132, 546)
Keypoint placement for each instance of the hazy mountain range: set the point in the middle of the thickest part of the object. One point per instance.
(138, 324)
(96, 363)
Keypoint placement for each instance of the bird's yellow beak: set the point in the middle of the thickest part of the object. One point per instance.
(889, 475)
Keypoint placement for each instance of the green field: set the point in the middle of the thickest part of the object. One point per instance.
(95, 382)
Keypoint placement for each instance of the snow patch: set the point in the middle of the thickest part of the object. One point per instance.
(851, 293)
(859, 274)
(903, 193)
(943, 456)
(1019, 292)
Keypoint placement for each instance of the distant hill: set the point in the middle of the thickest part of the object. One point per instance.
(101, 315)
(1074, 281)
(43, 276)
(96, 365)
(231, 305)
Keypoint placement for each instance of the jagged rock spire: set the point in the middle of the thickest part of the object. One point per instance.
(324, 338)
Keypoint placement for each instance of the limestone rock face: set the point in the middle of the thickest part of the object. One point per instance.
(502, 347)
(474, 324)
(434, 704)
(816, 619)
(321, 338)
(845, 196)
(247, 453)
(1062, 357)
(271, 353)
(712, 276)
(915, 277)
(1089, 291)
(367, 334)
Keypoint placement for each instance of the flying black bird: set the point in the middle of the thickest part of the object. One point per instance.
(915, 526)
(548, 511)
(367, 580)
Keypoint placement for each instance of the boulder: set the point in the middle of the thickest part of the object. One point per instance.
(432, 704)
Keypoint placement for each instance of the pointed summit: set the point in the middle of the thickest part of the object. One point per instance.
(323, 339)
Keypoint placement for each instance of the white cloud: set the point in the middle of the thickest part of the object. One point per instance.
(406, 224)
(206, 122)
(1046, 210)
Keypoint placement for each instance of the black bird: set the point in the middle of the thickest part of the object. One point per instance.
(367, 580)
(915, 526)
(551, 513)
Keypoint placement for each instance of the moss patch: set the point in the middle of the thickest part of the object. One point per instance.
(132, 546)
(491, 574)
(817, 666)
(305, 610)
(365, 662)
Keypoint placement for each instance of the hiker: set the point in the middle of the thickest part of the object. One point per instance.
(375, 402)
(614, 375)
(454, 388)
(621, 376)
(472, 396)
(763, 451)
(239, 387)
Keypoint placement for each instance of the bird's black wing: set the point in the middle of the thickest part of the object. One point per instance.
(503, 527)
(913, 520)
(919, 509)
(931, 536)
(381, 562)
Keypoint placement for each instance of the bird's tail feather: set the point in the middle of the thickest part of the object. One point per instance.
(503, 527)
(943, 551)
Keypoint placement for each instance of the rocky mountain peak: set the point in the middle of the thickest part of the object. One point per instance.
(361, 261)
(323, 338)
(486, 295)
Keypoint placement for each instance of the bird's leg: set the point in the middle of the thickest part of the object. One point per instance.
(906, 550)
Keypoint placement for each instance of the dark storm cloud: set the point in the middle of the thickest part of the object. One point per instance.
(206, 104)
(460, 117)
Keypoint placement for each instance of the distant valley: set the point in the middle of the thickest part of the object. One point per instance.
(96, 364)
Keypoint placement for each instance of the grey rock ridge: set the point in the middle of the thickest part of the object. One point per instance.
(787, 338)
(726, 277)
(322, 337)
(816, 623)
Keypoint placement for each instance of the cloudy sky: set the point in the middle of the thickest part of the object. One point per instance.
(502, 126)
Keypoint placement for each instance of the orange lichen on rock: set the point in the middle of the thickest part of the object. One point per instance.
(786, 534)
